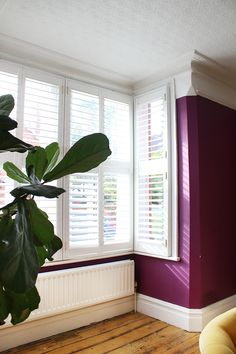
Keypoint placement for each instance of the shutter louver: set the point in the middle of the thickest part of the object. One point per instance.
(117, 129)
(83, 195)
(84, 115)
(6, 186)
(83, 210)
(116, 208)
(8, 85)
(41, 110)
(152, 180)
(116, 186)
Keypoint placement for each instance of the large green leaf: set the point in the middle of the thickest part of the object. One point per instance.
(9, 209)
(41, 227)
(21, 305)
(8, 142)
(52, 152)
(85, 154)
(7, 104)
(6, 123)
(54, 246)
(3, 305)
(18, 261)
(15, 173)
(39, 190)
(36, 160)
(47, 251)
(42, 254)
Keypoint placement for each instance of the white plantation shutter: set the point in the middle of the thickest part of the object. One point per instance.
(117, 180)
(40, 126)
(84, 115)
(95, 216)
(116, 219)
(8, 85)
(99, 202)
(117, 128)
(41, 107)
(84, 210)
(153, 209)
(83, 187)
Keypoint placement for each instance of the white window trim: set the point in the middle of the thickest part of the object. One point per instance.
(169, 89)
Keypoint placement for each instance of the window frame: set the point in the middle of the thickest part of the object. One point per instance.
(166, 89)
(102, 250)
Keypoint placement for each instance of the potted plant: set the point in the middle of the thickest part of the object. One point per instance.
(27, 236)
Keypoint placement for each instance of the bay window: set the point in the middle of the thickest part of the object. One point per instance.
(95, 216)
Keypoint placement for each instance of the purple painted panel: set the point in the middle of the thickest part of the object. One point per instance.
(195, 291)
(217, 167)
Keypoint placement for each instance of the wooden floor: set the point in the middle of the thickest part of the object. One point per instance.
(125, 334)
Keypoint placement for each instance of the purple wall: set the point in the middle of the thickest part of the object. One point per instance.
(217, 171)
(207, 213)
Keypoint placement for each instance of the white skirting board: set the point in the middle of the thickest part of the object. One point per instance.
(192, 320)
(33, 330)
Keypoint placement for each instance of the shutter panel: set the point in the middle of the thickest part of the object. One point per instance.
(116, 183)
(8, 85)
(41, 111)
(116, 219)
(41, 108)
(117, 128)
(152, 175)
(83, 210)
(83, 190)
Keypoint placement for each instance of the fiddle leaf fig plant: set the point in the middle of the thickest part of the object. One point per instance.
(27, 237)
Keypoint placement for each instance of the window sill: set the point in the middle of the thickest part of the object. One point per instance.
(75, 262)
(171, 258)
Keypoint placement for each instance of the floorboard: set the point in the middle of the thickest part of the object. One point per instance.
(126, 334)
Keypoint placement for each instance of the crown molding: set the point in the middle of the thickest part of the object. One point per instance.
(202, 76)
(192, 73)
(206, 66)
(212, 81)
(165, 73)
(22, 52)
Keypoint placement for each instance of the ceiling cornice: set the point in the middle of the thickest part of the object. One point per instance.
(206, 66)
(196, 74)
(193, 73)
(171, 69)
(28, 54)
(212, 81)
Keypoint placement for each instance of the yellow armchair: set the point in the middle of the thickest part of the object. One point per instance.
(219, 335)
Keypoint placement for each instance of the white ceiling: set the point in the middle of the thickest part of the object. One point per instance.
(132, 38)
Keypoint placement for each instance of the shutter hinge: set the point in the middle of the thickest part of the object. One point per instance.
(165, 243)
(164, 96)
(166, 175)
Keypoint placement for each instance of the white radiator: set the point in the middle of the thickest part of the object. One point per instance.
(71, 289)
